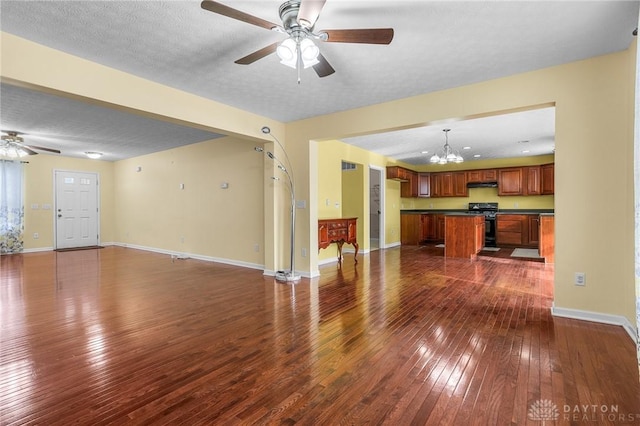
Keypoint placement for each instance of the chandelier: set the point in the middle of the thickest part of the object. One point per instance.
(10, 146)
(447, 154)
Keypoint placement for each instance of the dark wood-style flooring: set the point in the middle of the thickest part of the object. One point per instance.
(121, 336)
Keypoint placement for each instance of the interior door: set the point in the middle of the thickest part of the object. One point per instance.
(76, 209)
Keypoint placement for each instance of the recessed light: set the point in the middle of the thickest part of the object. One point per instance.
(523, 141)
(476, 156)
(466, 147)
(525, 151)
(425, 152)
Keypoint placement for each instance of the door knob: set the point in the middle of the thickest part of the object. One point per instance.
(59, 215)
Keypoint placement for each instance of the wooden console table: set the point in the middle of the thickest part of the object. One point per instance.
(338, 231)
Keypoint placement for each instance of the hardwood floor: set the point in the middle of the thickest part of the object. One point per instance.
(121, 336)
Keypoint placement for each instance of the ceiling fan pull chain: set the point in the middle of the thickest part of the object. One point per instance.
(299, 64)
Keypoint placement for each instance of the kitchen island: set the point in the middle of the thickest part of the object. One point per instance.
(463, 235)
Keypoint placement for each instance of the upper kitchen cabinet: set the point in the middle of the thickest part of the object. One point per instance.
(409, 188)
(481, 176)
(424, 184)
(398, 173)
(532, 177)
(449, 184)
(547, 183)
(511, 181)
(408, 180)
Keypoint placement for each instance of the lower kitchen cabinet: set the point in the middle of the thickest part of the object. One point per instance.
(416, 228)
(517, 230)
(410, 229)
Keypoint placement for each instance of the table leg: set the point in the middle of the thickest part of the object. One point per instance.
(340, 244)
(355, 257)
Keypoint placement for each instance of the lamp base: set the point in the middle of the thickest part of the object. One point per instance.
(287, 276)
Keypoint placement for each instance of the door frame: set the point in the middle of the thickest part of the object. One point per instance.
(381, 217)
(55, 202)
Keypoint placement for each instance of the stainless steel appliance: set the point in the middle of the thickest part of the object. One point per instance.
(489, 211)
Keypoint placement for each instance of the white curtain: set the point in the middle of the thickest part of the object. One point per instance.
(11, 207)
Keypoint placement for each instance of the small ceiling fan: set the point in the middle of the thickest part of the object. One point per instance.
(12, 145)
(298, 21)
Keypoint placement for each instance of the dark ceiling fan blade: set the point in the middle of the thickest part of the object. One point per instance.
(323, 68)
(309, 12)
(29, 151)
(258, 54)
(369, 36)
(40, 148)
(221, 9)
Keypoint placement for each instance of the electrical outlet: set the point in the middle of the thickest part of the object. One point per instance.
(36, 235)
(304, 252)
(580, 279)
(256, 247)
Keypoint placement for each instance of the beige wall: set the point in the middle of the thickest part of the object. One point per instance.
(39, 190)
(593, 198)
(202, 219)
(331, 187)
(594, 113)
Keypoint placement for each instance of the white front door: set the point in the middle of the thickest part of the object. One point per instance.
(76, 209)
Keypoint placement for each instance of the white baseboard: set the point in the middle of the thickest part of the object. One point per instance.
(37, 250)
(392, 245)
(192, 256)
(597, 317)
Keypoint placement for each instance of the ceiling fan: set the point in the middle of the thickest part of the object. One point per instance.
(298, 21)
(12, 145)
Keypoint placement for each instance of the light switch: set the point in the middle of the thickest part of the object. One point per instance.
(35, 206)
(46, 207)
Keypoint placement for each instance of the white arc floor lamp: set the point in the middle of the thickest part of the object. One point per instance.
(290, 275)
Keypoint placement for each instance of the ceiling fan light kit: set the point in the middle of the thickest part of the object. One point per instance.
(299, 51)
(12, 146)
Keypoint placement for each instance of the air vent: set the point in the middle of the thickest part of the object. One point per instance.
(349, 166)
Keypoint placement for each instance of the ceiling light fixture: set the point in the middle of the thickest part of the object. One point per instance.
(93, 155)
(447, 155)
(10, 146)
(298, 52)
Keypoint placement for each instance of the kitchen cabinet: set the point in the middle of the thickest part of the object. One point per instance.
(517, 230)
(482, 175)
(424, 184)
(533, 230)
(547, 172)
(510, 181)
(398, 173)
(509, 229)
(439, 218)
(460, 184)
(416, 228)
(409, 188)
(464, 235)
(449, 184)
(527, 180)
(410, 229)
(429, 227)
(547, 244)
(532, 177)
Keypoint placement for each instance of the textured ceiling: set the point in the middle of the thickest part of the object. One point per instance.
(437, 45)
(519, 134)
(75, 127)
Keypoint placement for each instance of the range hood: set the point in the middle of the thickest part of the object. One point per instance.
(482, 185)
